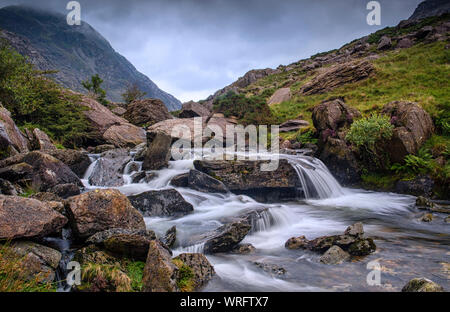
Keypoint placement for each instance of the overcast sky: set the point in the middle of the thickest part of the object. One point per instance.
(191, 48)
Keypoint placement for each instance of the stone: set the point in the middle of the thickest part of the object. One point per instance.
(27, 218)
(65, 190)
(405, 43)
(422, 284)
(170, 237)
(181, 180)
(362, 247)
(243, 249)
(356, 230)
(296, 243)
(100, 210)
(334, 255)
(226, 237)
(205, 183)
(421, 185)
(12, 140)
(193, 109)
(293, 125)
(7, 188)
(42, 141)
(160, 273)
(146, 112)
(385, 43)
(272, 269)
(77, 161)
(161, 203)
(133, 246)
(99, 238)
(108, 171)
(158, 151)
(427, 217)
(201, 268)
(281, 95)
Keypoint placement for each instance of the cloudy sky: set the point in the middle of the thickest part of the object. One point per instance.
(191, 48)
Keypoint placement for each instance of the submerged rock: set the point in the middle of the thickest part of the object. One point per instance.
(427, 217)
(272, 269)
(243, 249)
(422, 285)
(100, 210)
(161, 203)
(334, 255)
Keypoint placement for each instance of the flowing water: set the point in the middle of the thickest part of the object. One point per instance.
(406, 247)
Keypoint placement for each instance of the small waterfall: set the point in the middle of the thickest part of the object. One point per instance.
(316, 179)
(94, 158)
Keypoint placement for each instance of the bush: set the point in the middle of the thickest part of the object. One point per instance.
(367, 132)
(132, 93)
(36, 101)
(94, 87)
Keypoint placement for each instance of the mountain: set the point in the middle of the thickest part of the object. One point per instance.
(77, 52)
(431, 8)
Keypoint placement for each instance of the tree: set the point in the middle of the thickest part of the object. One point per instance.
(94, 88)
(132, 93)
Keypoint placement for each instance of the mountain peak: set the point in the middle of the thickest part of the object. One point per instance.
(431, 8)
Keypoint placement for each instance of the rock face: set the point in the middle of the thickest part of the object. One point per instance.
(37, 169)
(12, 141)
(101, 210)
(334, 255)
(160, 274)
(226, 237)
(420, 186)
(422, 285)
(413, 126)
(77, 161)
(293, 125)
(158, 152)
(194, 109)
(161, 203)
(204, 183)
(27, 218)
(281, 95)
(332, 120)
(146, 112)
(245, 177)
(430, 8)
(107, 128)
(109, 168)
(201, 268)
(338, 75)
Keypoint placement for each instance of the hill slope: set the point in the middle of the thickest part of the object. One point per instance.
(77, 52)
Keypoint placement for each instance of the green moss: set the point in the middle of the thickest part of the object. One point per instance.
(135, 271)
(185, 281)
(379, 181)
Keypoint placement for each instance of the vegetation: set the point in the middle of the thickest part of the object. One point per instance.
(185, 281)
(15, 277)
(94, 87)
(367, 132)
(37, 102)
(132, 93)
(249, 110)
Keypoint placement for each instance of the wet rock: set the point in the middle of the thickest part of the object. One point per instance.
(146, 112)
(272, 269)
(246, 177)
(161, 203)
(422, 285)
(356, 230)
(143, 176)
(201, 268)
(413, 126)
(226, 237)
(427, 217)
(158, 152)
(421, 185)
(204, 183)
(243, 249)
(109, 168)
(362, 247)
(334, 255)
(170, 237)
(101, 210)
(385, 43)
(27, 218)
(337, 75)
(193, 109)
(296, 243)
(12, 140)
(40, 262)
(181, 180)
(281, 95)
(447, 220)
(37, 169)
(160, 273)
(77, 161)
(65, 190)
(423, 202)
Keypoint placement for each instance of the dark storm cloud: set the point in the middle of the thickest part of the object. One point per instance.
(191, 48)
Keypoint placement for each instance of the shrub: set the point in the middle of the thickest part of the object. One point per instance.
(36, 101)
(94, 87)
(132, 93)
(367, 132)
(415, 164)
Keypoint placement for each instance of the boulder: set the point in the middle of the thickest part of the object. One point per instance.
(337, 75)
(405, 43)
(101, 148)
(37, 169)
(160, 273)
(41, 141)
(7, 188)
(421, 185)
(146, 112)
(65, 190)
(170, 127)
(385, 43)
(296, 243)
(246, 177)
(158, 152)
(293, 125)
(204, 183)
(12, 140)
(77, 161)
(202, 269)
(181, 180)
(27, 218)
(194, 109)
(170, 237)
(133, 246)
(109, 168)
(334, 115)
(124, 135)
(100, 210)
(281, 95)
(161, 203)
(413, 126)
(99, 238)
(334, 255)
(226, 237)
(422, 285)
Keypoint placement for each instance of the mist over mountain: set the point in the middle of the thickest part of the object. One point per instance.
(77, 52)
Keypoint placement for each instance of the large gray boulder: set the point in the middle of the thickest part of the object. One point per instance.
(108, 171)
(162, 203)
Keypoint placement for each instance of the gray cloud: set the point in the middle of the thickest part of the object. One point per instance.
(191, 48)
